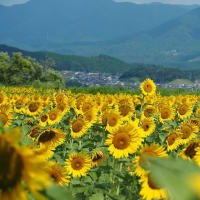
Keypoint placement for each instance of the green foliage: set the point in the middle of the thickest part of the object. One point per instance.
(58, 193)
(175, 175)
(19, 70)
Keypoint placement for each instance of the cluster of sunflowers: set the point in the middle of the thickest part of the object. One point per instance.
(93, 144)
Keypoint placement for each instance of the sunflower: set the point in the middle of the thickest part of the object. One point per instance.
(3, 97)
(33, 108)
(34, 131)
(19, 167)
(43, 152)
(58, 174)
(78, 127)
(149, 111)
(184, 111)
(79, 101)
(166, 113)
(97, 158)
(103, 118)
(125, 106)
(46, 101)
(90, 117)
(189, 151)
(195, 121)
(54, 116)
(78, 164)
(124, 140)
(113, 119)
(59, 97)
(6, 118)
(196, 156)
(19, 106)
(43, 120)
(148, 87)
(152, 150)
(63, 108)
(198, 110)
(187, 131)
(87, 105)
(150, 190)
(148, 126)
(173, 140)
(51, 138)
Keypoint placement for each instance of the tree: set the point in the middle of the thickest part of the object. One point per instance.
(19, 70)
(55, 77)
(23, 70)
(4, 67)
(48, 63)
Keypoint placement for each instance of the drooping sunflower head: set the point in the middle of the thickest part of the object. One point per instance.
(196, 122)
(173, 140)
(187, 131)
(51, 138)
(58, 174)
(78, 164)
(190, 151)
(148, 87)
(97, 158)
(34, 131)
(19, 167)
(184, 110)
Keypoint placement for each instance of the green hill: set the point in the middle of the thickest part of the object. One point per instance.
(101, 63)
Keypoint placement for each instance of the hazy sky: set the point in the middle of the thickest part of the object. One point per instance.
(11, 2)
(186, 2)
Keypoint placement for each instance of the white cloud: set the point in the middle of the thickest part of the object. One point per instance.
(12, 2)
(182, 2)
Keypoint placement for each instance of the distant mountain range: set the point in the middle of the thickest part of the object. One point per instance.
(174, 43)
(55, 25)
(146, 33)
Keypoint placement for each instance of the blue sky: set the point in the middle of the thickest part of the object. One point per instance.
(185, 2)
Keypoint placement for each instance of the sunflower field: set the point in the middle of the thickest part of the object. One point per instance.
(61, 145)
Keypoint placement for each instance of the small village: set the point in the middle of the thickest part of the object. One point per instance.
(107, 79)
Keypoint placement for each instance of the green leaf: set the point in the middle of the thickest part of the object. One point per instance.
(173, 174)
(58, 193)
(97, 196)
